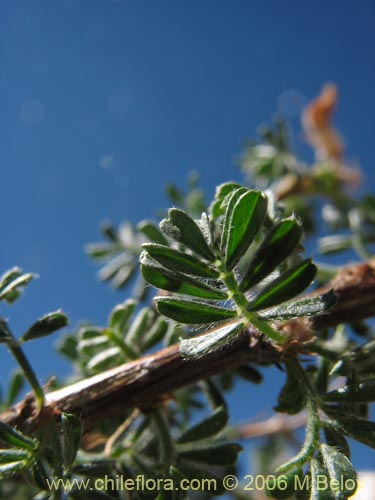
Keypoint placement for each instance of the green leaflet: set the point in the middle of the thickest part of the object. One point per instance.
(152, 232)
(96, 468)
(192, 312)
(120, 315)
(207, 342)
(46, 325)
(217, 454)
(278, 244)
(217, 207)
(103, 359)
(184, 470)
(336, 439)
(243, 218)
(101, 251)
(285, 286)
(358, 393)
(175, 282)
(15, 386)
(181, 227)
(320, 489)
(13, 468)
(13, 455)
(138, 325)
(10, 281)
(14, 438)
(204, 225)
(292, 397)
(212, 393)
(177, 261)
(284, 486)
(71, 437)
(343, 478)
(361, 430)
(5, 335)
(164, 437)
(155, 334)
(301, 308)
(250, 374)
(231, 201)
(206, 428)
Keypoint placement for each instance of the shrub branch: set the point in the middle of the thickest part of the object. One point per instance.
(148, 381)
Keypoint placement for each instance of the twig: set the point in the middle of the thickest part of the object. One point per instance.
(146, 382)
(276, 424)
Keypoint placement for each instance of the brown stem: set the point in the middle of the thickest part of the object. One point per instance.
(147, 381)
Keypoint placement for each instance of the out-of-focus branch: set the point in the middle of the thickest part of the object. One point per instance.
(277, 424)
(148, 380)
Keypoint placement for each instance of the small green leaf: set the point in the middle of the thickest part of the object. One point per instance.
(115, 265)
(343, 478)
(91, 340)
(124, 275)
(217, 454)
(206, 428)
(39, 475)
(13, 455)
(109, 231)
(250, 374)
(155, 334)
(284, 486)
(164, 437)
(175, 194)
(217, 207)
(104, 359)
(210, 341)
(336, 439)
(285, 286)
(230, 202)
(177, 261)
(356, 393)
(11, 281)
(205, 226)
(5, 335)
(152, 232)
(212, 393)
(320, 489)
(46, 325)
(15, 386)
(278, 244)
(292, 397)
(361, 430)
(243, 219)
(95, 468)
(205, 478)
(301, 308)
(13, 468)
(67, 346)
(139, 325)
(71, 437)
(89, 332)
(175, 282)
(101, 250)
(191, 311)
(11, 437)
(181, 227)
(120, 315)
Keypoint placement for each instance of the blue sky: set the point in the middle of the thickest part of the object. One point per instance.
(103, 102)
